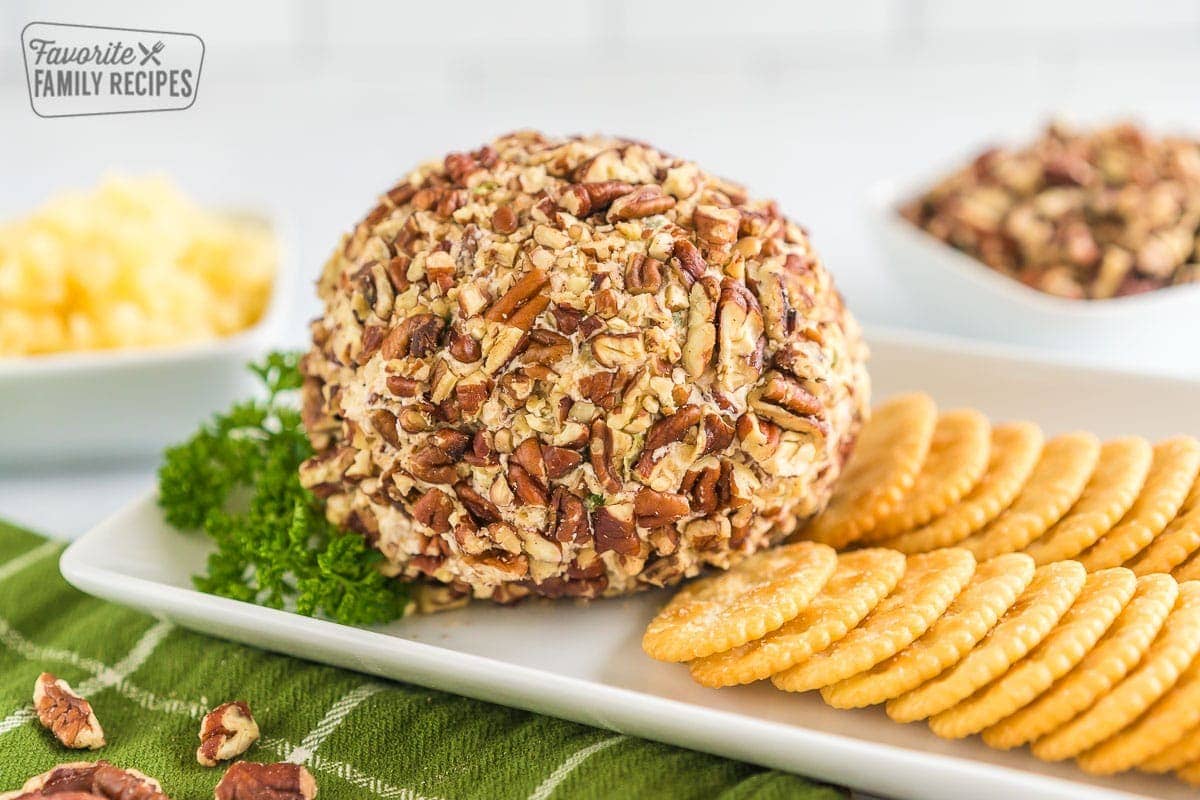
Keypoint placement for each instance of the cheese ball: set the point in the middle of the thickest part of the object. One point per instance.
(576, 367)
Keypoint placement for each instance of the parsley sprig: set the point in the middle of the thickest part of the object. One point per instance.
(237, 479)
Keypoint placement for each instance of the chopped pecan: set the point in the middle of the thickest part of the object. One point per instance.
(482, 453)
(718, 434)
(780, 398)
(717, 225)
(471, 393)
(701, 485)
(416, 418)
(644, 201)
(463, 346)
(528, 490)
(559, 461)
(249, 781)
(546, 347)
(482, 509)
(613, 529)
(582, 199)
(504, 220)
(566, 318)
(758, 437)
(600, 450)
(402, 386)
(654, 509)
(739, 337)
(618, 349)
(416, 336)
(643, 274)
(663, 433)
(65, 714)
(226, 732)
(433, 510)
(568, 518)
(528, 454)
(384, 424)
(520, 295)
(701, 331)
(689, 260)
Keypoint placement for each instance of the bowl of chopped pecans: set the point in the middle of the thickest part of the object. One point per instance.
(1079, 242)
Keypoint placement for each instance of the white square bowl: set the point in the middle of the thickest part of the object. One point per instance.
(120, 404)
(1157, 331)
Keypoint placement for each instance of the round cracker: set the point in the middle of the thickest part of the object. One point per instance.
(993, 589)
(1015, 450)
(754, 597)
(886, 459)
(1053, 588)
(1190, 773)
(1159, 729)
(1172, 473)
(930, 583)
(958, 457)
(860, 581)
(1103, 597)
(1177, 756)
(1117, 652)
(1160, 668)
(1178, 541)
(1056, 483)
(1188, 570)
(1113, 488)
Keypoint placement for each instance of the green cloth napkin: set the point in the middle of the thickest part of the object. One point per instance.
(150, 683)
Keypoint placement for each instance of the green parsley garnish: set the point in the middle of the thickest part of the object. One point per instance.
(593, 501)
(237, 479)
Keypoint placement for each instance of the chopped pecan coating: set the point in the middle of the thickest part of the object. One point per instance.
(610, 335)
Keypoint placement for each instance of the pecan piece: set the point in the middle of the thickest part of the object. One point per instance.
(653, 509)
(717, 225)
(739, 337)
(568, 518)
(524, 486)
(718, 434)
(600, 450)
(416, 336)
(643, 274)
(528, 454)
(504, 220)
(435, 459)
(701, 485)
(89, 781)
(463, 346)
(613, 529)
(780, 398)
(618, 349)
(701, 331)
(65, 714)
(384, 424)
(226, 732)
(559, 461)
(249, 781)
(519, 295)
(643, 201)
(433, 510)
(691, 263)
(546, 347)
(663, 433)
(481, 509)
(582, 199)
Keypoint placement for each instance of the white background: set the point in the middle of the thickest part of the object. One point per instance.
(308, 109)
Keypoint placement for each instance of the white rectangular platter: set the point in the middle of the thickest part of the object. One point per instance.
(586, 664)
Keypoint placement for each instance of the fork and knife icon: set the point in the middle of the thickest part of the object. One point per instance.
(151, 53)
